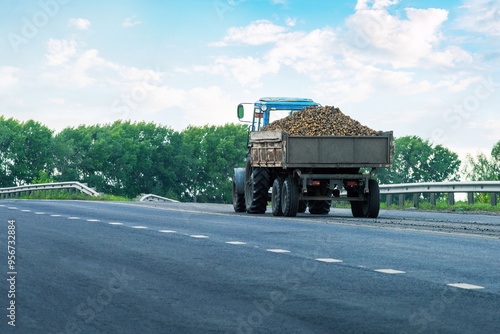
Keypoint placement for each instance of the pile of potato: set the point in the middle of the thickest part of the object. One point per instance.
(323, 121)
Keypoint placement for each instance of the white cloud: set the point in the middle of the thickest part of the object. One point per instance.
(257, 33)
(481, 16)
(130, 22)
(291, 22)
(79, 24)
(60, 51)
(56, 101)
(8, 76)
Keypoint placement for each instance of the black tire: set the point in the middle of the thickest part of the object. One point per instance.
(319, 207)
(276, 196)
(302, 206)
(290, 197)
(256, 189)
(238, 200)
(371, 206)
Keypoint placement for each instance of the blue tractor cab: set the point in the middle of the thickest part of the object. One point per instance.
(270, 109)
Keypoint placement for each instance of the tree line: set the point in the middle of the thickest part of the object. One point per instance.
(125, 158)
(196, 164)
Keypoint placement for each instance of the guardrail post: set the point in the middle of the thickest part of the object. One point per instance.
(401, 201)
(433, 199)
(70, 191)
(415, 200)
(493, 199)
(451, 199)
(388, 199)
(470, 198)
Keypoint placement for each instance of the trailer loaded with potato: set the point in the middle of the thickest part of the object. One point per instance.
(309, 155)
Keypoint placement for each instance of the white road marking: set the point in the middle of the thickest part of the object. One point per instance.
(167, 231)
(198, 236)
(93, 220)
(26, 210)
(278, 250)
(236, 243)
(390, 271)
(466, 286)
(73, 218)
(138, 226)
(39, 213)
(115, 223)
(55, 215)
(329, 260)
(12, 208)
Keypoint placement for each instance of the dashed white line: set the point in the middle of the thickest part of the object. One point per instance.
(73, 218)
(236, 243)
(115, 223)
(12, 208)
(138, 226)
(328, 260)
(93, 220)
(26, 210)
(167, 231)
(466, 286)
(390, 271)
(55, 215)
(278, 250)
(39, 213)
(198, 236)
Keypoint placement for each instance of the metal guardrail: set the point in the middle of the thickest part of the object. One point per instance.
(434, 188)
(156, 198)
(33, 189)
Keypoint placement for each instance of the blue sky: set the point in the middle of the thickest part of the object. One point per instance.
(425, 68)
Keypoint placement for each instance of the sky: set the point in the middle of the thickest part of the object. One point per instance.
(416, 67)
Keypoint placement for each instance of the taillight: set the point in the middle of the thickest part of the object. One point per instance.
(352, 183)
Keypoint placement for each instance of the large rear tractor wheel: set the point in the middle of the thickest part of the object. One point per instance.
(290, 197)
(256, 188)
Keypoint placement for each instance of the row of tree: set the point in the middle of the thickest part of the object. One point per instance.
(126, 159)
(196, 164)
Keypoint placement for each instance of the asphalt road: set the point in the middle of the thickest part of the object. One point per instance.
(87, 267)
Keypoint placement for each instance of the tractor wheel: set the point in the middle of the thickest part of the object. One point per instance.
(319, 207)
(238, 200)
(256, 188)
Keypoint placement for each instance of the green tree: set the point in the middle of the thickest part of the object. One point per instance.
(209, 156)
(482, 168)
(417, 160)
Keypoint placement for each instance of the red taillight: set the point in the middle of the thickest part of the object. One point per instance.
(315, 183)
(352, 183)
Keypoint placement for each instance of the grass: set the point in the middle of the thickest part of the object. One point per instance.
(81, 197)
(460, 206)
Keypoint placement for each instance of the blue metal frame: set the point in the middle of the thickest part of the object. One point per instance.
(280, 103)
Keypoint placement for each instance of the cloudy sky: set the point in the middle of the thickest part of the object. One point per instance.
(417, 67)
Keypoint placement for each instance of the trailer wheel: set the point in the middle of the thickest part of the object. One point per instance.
(290, 197)
(276, 196)
(319, 207)
(371, 206)
(238, 200)
(256, 189)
